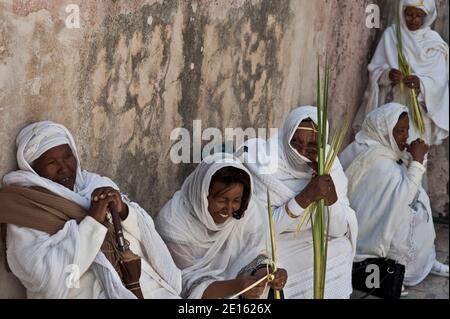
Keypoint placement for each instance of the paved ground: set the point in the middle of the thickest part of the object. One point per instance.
(433, 287)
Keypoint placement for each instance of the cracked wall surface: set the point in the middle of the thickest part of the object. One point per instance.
(136, 70)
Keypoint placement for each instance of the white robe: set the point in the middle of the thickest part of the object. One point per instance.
(428, 56)
(41, 261)
(392, 208)
(46, 252)
(287, 177)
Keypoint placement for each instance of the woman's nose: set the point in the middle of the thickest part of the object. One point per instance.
(63, 167)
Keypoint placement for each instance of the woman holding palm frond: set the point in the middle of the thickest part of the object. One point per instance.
(291, 177)
(426, 54)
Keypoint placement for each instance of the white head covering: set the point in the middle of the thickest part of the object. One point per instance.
(428, 6)
(294, 158)
(293, 172)
(377, 133)
(37, 138)
(212, 252)
(33, 141)
(379, 125)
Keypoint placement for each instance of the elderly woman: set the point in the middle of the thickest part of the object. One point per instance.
(290, 175)
(214, 234)
(427, 55)
(60, 241)
(393, 210)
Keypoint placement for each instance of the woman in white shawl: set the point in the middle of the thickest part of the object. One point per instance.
(290, 176)
(68, 261)
(427, 54)
(215, 235)
(392, 208)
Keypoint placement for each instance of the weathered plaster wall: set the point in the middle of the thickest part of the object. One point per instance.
(135, 70)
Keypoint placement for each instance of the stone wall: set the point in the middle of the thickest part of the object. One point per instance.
(136, 70)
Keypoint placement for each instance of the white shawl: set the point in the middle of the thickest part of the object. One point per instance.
(292, 173)
(380, 190)
(428, 56)
(210, 252)
(377, 129)
(33, 141)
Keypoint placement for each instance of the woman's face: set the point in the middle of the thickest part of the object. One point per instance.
(59, 165)
(414, 18)
(224, 200)
(305, 140)
(400, 132)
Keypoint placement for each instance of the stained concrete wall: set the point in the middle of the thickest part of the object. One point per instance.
(135, 70)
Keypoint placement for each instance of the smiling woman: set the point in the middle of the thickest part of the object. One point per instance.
(58, 164)
(214, 233)
(229, 194)
(57, 218)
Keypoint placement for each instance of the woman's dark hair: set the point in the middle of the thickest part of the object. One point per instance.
(402, 115)
(231, 175)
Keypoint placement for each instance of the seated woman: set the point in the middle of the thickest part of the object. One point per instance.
(427, 55)
(290, 176)
(60, 241)
(392, 208)
(215, 235)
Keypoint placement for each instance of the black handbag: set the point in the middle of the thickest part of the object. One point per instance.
(391, 275)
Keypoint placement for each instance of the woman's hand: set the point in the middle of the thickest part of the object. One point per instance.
(109, 194)
(280, 280)
(98, 210)
(412, 82)
(244, 281)
(418, 150)
(396, 76)
(320, 187)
